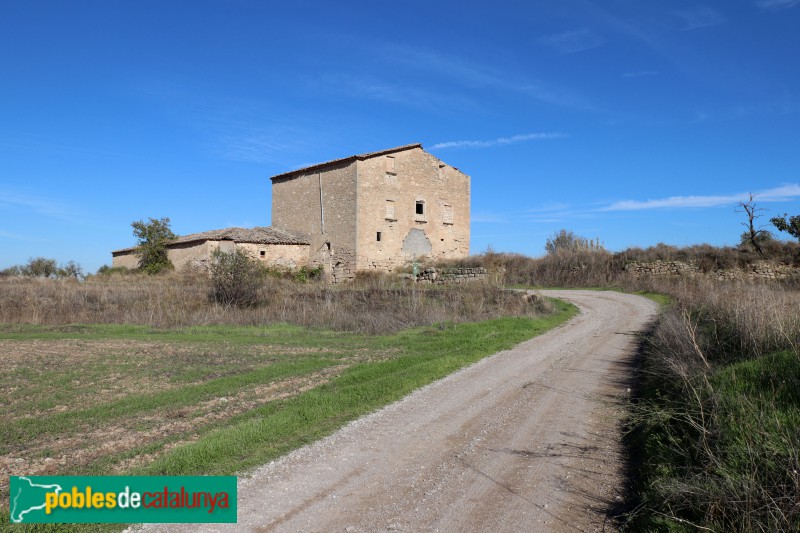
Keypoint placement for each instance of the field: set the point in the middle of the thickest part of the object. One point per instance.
(142, 374)
(214, 399)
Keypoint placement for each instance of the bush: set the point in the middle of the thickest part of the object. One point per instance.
(567, 241)
(106, 270)
(235, 279)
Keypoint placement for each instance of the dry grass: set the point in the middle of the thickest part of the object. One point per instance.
(373, 304)
(599, 268)
(716, 429)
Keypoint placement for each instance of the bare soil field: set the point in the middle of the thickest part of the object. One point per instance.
(525, 440)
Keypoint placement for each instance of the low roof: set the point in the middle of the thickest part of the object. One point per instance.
(359, 157)
(257, 235)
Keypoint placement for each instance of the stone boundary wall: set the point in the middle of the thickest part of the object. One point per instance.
(759, 270)
(451, 275)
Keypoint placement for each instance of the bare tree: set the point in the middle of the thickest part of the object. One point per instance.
(754, 236)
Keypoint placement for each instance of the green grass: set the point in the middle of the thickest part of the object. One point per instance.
(752, 411)
(191, 366)
(430, 354)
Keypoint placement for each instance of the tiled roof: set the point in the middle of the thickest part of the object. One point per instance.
(257, 235)
(359, 157)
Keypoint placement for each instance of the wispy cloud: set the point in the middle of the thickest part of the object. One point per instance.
(570, 42)
(40, 205)
(265, 146)
(489, 218)
(640, 73)
(372, 88)
(776, 5)
(501, 141)
(777, 194)
(699, 17)
(473, 75)
(18, 237)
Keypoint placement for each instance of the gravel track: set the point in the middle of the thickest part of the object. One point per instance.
(525, 440)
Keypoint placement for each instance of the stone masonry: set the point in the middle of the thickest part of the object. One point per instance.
(759, 270)
(452, 275)
(376, 211)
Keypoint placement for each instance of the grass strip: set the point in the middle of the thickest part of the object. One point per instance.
(23, 430)
(430, 354)
(255, 437)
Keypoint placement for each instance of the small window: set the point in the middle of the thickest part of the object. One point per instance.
(420, 208)
(390, 168)
(390, 210)
(378, 237)
(262, 253)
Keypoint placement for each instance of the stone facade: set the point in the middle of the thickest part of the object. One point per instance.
(376, 211)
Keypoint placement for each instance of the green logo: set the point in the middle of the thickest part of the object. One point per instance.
(122, 499)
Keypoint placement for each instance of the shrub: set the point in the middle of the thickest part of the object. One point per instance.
(235, 279)
(106, 270)
(567, 241)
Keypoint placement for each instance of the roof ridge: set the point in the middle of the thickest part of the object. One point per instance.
(359, 157)
(263, 235)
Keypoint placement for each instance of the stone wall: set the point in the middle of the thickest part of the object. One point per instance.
(452, 275)
(391, 232)
(758, 270)
(662, 268)
(127, 259)
(277, 255)
(329, 224)
(197, 254)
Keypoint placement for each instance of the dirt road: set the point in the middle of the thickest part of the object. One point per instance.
(526, 440)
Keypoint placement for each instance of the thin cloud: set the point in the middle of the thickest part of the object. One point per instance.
(18, 237)
(640, 73)
(40, 205)
(777, 194)
(776, 5)
(501, 141)
(366, 87)
(571, 42)
(489, 218)
(473, 76)
(699, 17)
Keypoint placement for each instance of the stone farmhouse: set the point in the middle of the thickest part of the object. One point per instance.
(272, 246)
(375, 211)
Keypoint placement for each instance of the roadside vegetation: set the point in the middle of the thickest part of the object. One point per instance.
(178, 373)
(714, 427)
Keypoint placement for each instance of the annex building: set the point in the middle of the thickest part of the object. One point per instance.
(374, 211)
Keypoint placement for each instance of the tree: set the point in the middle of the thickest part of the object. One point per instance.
(153, 237)
(40, 267)
(71, 270)
(44, 267)
(790, 225)
(753, 236)
(567, 241)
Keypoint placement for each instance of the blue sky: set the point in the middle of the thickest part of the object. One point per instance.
(635, 122)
